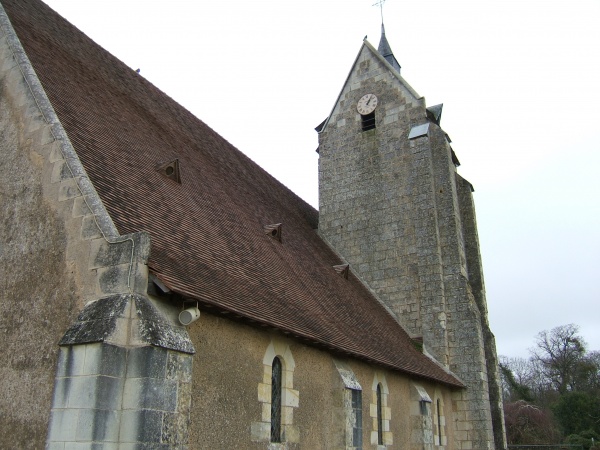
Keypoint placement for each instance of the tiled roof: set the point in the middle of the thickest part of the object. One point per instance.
(208, 237)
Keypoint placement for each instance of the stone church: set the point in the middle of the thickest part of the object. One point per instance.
(159, 290)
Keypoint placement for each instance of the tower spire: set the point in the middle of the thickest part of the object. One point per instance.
(385, 50)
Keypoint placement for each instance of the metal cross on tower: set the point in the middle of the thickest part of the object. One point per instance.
(380, 4)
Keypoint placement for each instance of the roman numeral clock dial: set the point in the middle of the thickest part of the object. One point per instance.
(367, 104)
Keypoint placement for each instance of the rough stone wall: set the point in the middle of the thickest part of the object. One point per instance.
(228, 369)
(364, 211)
(390, 207)
(61, 256)
(41, 282)
(467, 209)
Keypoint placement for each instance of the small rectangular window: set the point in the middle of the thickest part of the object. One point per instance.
(356, 419)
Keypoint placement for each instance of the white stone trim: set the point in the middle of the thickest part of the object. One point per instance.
(440, 439)
(386, 412)
(290, 398)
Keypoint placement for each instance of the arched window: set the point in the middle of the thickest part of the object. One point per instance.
(380, 412)
(276, 400)
(277, 397)
(379, 416)
(439, 425)
(439, 422)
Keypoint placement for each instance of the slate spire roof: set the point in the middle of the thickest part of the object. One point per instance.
(385, 50)
(159, 169)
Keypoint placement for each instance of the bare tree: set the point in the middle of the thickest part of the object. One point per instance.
(559, 353)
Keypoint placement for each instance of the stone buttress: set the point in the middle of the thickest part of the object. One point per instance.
(123, 377)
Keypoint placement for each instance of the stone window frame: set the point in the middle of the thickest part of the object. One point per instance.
(276, 390)
(352, 406)
(440, 438)
(261, 431)
(354, 431)
(386, 413)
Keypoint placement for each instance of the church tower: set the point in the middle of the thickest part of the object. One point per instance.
(392, 204)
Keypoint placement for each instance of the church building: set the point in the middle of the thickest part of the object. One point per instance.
(159, 290)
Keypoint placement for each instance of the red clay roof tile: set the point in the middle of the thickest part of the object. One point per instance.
(208, 239)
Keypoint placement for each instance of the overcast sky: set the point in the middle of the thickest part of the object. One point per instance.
(519, 83)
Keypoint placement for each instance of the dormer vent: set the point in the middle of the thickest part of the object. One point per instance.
(434, 113)
(343, 270)
(170, 170)
(274, 231)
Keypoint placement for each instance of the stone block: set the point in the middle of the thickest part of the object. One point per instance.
(291, 433)
(287, 415)
(89, 228)
(114, 279)
(60, 395)
(260, 431)
(290, 397)
(386, 413)
(55, 446)
(82, 392)
(80, 208)
(104, 254)
(112, 360)
(173, 430)
(71, 361)
(372, 410)
(374, 438)
(388, 438)
(108, 392)
(63, 425)
(150, 393)
(147, 362)
(68, 190)
(264, 393)
(179, 367)
(98, 425)
(143, 426)
(266, 412)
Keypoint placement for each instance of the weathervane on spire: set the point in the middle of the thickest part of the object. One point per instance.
(380, 4)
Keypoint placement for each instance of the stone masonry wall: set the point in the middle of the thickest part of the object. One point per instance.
(467, 209)
(464, 317)
(60, 256)
(390, 207)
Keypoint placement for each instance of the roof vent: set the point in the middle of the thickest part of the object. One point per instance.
(434, 113)
(274, 231)
(170, 170)
(343, 270)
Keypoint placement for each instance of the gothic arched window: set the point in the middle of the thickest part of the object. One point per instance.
(276, 401)
(379, 416)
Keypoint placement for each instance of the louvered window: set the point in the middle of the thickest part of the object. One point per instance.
(368, 121)
(276, 401)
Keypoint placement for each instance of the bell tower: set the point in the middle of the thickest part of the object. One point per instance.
(393, 205)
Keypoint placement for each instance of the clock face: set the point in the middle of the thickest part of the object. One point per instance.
(367, 104)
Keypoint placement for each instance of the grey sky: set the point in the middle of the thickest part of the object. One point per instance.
(518, 80)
